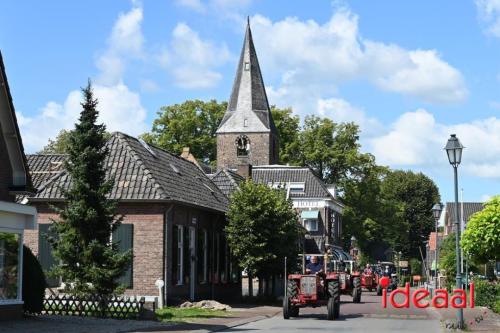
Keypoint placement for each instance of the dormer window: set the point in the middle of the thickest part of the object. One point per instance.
(297, 187)
(242, 146)
(247, 66)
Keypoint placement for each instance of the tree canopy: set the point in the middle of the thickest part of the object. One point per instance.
(88, 262)
(262, 229)
(190, 124)
(481, 239)
(60, 144)
(414, 194)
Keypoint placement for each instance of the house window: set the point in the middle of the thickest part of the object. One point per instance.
(202, 255)
(297, 187)
(217, 258)
(186, 255)
(177, 254)
(10, 266)
(223, 259)
(311, 224)
(123, 236)
(242, 146)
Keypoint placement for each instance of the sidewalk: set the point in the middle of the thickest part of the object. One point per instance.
(478, 319)
(240, 314)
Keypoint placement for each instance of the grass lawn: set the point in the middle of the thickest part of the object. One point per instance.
(175, 314)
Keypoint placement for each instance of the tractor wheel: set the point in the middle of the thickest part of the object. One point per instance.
(333, 305)
(286, 308)
(356, 292)
(291, 289)
(379, 290)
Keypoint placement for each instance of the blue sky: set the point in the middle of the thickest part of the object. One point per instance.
(409, 72)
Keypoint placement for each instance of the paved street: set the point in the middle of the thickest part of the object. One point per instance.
(367, 316)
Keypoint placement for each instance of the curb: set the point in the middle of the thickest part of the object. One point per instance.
(235, 323)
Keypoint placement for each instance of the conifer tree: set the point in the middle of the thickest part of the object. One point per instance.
(89, 262)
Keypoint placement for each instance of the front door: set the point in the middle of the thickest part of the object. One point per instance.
(192, 256)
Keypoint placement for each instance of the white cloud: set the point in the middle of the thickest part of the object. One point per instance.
(120, 108)
(416, 139)
(340, 110)
(226, 9)
(335, 52)
(192, 60)
(125, 42)
(195, 5)
(489, 13)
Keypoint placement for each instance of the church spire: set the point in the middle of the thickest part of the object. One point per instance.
(248, 108)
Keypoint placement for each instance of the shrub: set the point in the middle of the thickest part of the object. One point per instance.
(33, 283)
(486, 294)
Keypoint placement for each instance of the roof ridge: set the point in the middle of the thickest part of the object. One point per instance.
(139, 161)
(50, 180)
(156, 147)
(231, 179)
(45, 154)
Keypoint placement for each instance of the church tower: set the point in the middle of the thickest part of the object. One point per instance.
(247, 134)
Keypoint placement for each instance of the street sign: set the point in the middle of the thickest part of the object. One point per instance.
(403, 263)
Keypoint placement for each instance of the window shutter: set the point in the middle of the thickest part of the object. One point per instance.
(45, 256)
(124, 237)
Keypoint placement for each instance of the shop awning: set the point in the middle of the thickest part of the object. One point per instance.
(309, 214)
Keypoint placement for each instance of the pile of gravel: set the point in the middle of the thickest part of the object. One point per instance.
(206, 304)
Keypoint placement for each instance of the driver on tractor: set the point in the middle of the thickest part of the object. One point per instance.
(314, 266)
(368, 270)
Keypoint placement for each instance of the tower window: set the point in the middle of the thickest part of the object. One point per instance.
(245, 122)
(242, 146)
(247, 66)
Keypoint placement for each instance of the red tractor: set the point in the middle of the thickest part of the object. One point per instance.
(386, 277)
(312, 290)
(368, 281)
(349, 278)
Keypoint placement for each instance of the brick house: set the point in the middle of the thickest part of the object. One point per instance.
(248, 147)
(14, 218)
(466, 210)
(173, 220)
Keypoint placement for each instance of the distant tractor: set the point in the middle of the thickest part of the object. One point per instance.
(349, 278)
(368, 281)
(386, 277)
(313, 290)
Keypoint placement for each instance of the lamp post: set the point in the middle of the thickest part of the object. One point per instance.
(436, 212)
(454, 151)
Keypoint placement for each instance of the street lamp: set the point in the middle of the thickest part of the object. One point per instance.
(436, 212)
(454, 150)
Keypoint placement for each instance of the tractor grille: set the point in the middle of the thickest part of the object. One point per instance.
(308, 285)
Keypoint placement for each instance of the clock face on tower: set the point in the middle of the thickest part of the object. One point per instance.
(242, 146)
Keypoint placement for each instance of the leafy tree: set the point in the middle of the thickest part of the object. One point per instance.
(89, 262)
(481, 239)
(263, 228)
(414, 194)
(368, 216)
(330, 149)
(191, 124)
(288, 130)
(60, 144)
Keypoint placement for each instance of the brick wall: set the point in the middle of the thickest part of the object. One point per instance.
(147, 239)
(264, 150)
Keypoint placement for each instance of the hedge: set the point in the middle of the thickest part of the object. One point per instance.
(33, 283)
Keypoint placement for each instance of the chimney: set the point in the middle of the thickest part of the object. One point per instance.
(185, 152)
(245, 170)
